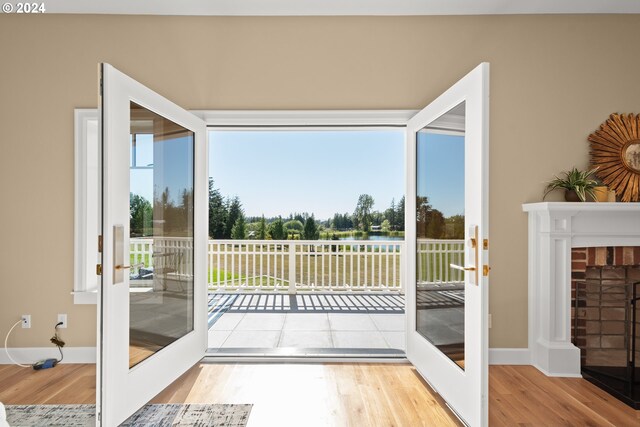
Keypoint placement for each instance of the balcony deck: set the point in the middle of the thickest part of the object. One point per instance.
(312, 323)
(320, 323)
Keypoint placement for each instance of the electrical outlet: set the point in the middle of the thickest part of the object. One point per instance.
(62, 318)
(26, 321)
(489, 321)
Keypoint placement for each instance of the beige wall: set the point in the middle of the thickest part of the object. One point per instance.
(553, 80)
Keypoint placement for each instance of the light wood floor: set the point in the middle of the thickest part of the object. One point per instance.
(343, 394)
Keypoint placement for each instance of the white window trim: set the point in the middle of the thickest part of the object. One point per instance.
(84, 288)
(85, 284)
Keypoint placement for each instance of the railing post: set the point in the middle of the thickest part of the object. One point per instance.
(292, 268)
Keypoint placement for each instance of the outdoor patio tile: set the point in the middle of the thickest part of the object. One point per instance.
(217, 338)
(394, 339)
(351, 322)
(306, 339)
(252, 339)
(261, 322)
(389, 322)
(227, 322)
(358, 339)
(306, 322)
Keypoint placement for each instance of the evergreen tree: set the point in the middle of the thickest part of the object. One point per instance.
(234, 211)
(262, 229)
(217, 213)
(391, 214)
(276, 229)
(400, 215)
(348, 221)
(341, 222)
(302, 217)
(335, 222)
(310, 231)
(239, 229)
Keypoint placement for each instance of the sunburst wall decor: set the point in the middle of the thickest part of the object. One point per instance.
(615, 150)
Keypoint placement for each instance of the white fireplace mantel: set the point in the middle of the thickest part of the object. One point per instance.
(555, 228)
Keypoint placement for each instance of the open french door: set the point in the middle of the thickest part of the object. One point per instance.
(152, 308)
(447, 241)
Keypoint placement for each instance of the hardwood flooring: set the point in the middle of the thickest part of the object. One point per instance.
(66, 383)
(138, 353)
(343, 394)
(523, 396)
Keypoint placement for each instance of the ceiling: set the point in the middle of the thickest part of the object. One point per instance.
(340, 7)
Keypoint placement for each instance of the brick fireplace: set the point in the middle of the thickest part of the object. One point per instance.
(602, 291)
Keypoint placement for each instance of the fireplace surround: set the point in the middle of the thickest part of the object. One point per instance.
(554, 229)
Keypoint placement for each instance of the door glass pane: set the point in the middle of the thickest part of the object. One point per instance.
(161, 233)
(440, 227)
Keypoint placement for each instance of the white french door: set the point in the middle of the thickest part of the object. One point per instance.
(152, 308)
(447, 242)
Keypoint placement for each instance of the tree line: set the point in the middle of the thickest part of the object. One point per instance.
(174, 216)
(227, 219)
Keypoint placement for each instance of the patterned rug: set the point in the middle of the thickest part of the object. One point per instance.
(157, 415)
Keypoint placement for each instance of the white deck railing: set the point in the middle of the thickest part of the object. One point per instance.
(294, 265)
(433, 261)
(313, 265)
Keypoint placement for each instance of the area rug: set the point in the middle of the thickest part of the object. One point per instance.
(156, 415)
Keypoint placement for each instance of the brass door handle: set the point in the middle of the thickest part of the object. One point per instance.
(122, 267)
(461, 268)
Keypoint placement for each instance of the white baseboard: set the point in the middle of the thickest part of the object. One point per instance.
(30, 355)
(509, 356)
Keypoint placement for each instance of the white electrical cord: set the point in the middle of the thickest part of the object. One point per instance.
(6, 349)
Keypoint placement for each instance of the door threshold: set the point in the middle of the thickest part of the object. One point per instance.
(304, 355)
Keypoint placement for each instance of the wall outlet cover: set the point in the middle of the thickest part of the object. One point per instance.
(26, 321)
(62, 318)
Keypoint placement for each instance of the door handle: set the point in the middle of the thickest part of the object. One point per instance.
(461, 268)
(473, 231)
(473, 245)
(122, 267)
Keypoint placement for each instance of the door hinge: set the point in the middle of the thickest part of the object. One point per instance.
(99, 269)
(485, 244)
(485, 270)
(100, 243)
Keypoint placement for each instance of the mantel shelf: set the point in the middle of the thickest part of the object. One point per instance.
(581, 207)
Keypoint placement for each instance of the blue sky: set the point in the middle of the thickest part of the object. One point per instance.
(320, 172)
(440, 171)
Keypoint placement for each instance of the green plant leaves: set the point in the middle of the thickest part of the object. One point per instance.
(579, 181)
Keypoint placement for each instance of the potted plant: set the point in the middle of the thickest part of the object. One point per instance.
(577, 185)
